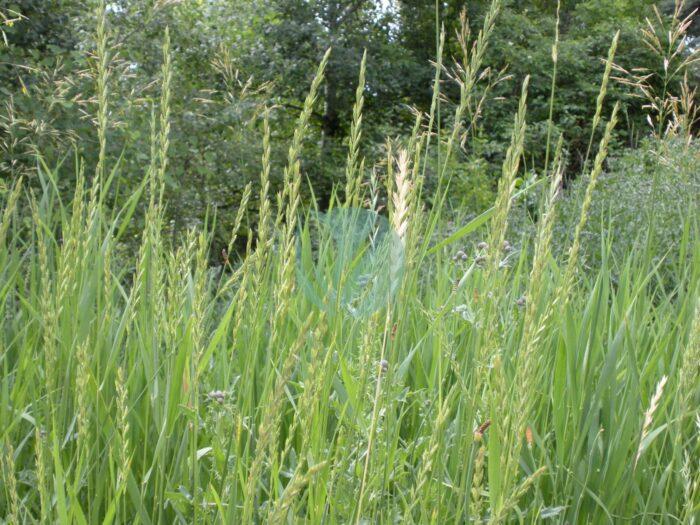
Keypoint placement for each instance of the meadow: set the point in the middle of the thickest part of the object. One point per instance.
(358, 364)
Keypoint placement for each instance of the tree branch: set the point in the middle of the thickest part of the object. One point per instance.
(349, 11)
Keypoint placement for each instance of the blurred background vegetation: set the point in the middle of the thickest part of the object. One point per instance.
(234, 59)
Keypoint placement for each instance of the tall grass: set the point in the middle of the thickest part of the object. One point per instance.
(497, 385)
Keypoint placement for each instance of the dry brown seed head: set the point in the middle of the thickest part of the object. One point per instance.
(528, 437)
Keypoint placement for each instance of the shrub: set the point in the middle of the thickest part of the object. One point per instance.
(640, 202)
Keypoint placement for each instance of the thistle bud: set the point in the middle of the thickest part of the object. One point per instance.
(384, 366)
(217, 395)
(459, 256)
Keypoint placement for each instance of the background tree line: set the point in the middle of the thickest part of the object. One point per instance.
(233, 59)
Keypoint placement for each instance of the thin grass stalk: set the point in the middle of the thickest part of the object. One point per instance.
(103, 73)
(291, 196)
(164, 137)
(9, 210)
(123, 452)
(430, 456)
(197, 317)
(570, 271)
(488, 355)
(353, 176)
(82, 404)
(9, 476)
(42, 477)
(240, 213)
(689, 371)
(537, 318)
(307, 408)
(48, 309)
(555, 62)
(511, 165)
(601, 95)
(376, 406)
(686, 439)
(268, 430)
(470, 72)
(435, 100)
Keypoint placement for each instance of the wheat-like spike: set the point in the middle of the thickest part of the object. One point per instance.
(268, 430)
(48, 309)
(152, 170)
(292, 184)
(264, 213)
(107, 283)
(353, 175)
(687, 389)
(430, 453)
(10, 478)
(401, 196)
(563, 295)
(164, 137)
(476, 498)
(81, 386)
(535, 323)
(241, 297)
(513, 499)
(8, 211)
(123, 453)
(41, 476)
(649, 416)
(309, 400)
(199, 297)
(292, 172)
(493, 380)
(690, 472)
(102, 91)
(506, 186)
(303, 417)
(289, 201)
(294, 487)
(71, 258)
(690, 365)
(240, 213)
(555, 63)
(601, 94)
(103, 75)
(375, 418)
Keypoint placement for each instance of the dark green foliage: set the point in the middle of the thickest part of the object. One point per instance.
(232, 59)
